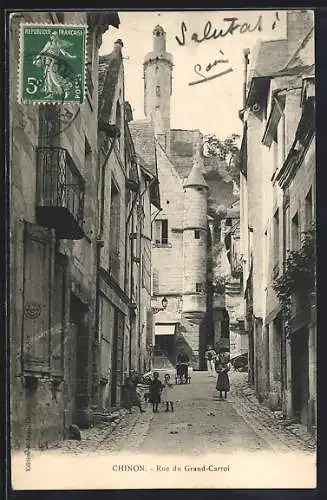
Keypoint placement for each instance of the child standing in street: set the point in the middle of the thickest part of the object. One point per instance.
(222, 368)
(155, 391)
(167, 393)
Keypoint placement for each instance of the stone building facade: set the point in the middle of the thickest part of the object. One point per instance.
(128, 186)
(230, 237)
(53, 249)
(276, 119)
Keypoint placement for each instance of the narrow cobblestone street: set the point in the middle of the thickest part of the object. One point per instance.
(201, 423)
(201, 426)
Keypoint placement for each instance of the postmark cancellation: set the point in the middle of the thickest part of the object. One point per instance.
(52, 65)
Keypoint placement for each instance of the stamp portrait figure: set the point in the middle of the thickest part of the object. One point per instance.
(56, 81)
(52, 63)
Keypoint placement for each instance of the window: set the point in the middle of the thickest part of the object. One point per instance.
(228, 222)
(198, 287)
(197, 234)
(276, 237)
(295, 232)
(158, 91)
(161, 232)
(308, 211)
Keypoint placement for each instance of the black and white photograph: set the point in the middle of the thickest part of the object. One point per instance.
(162, 258)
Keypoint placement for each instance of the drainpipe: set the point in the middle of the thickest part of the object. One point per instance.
(138, 196)
(99, 241)
(103, 185)
(139, 285)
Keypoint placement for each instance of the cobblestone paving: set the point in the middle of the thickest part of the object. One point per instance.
(200, 424)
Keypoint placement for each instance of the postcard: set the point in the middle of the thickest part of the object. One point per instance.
(162, 271)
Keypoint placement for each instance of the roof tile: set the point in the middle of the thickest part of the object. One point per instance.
(142, 133)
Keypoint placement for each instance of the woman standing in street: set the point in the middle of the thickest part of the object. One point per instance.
(155, 391)
(210, 357)
(222, 368)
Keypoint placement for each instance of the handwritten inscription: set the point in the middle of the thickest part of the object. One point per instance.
(207, 78)
(213, 33)
(198, 70)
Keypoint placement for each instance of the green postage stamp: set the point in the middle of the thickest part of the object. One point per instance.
(52, 63)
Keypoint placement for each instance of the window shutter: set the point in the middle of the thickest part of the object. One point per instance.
(38, 261)
(157, 231)
(164, 232)
(58, 315)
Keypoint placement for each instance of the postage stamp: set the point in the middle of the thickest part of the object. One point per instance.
(52, 63)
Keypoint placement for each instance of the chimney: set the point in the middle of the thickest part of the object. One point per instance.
(246, 53)
(299, 23)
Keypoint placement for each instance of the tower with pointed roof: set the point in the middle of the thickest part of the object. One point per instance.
(158, 66)
(181, 239)
(195, 236)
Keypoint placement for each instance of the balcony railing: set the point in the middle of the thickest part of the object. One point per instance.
(60, 193)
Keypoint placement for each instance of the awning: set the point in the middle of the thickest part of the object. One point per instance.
(238, 355)
(166, 329)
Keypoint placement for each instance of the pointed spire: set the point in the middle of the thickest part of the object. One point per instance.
(195, 177)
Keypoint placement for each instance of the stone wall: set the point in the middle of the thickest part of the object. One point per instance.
(51, 411)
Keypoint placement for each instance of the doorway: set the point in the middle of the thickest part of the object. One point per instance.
(300, 375)
(117, 361)
(164, 352)
(79, 359)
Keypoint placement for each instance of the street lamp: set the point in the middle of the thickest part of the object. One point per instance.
(164, 304)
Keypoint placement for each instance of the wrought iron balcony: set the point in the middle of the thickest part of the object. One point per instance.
(60, 193)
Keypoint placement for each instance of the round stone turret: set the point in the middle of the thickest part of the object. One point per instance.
(158, 66)
(195, 230)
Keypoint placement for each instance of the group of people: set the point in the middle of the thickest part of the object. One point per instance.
(218, 363)
(163, 392)
(159, 392)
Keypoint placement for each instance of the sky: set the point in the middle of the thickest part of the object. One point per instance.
(211, 106)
